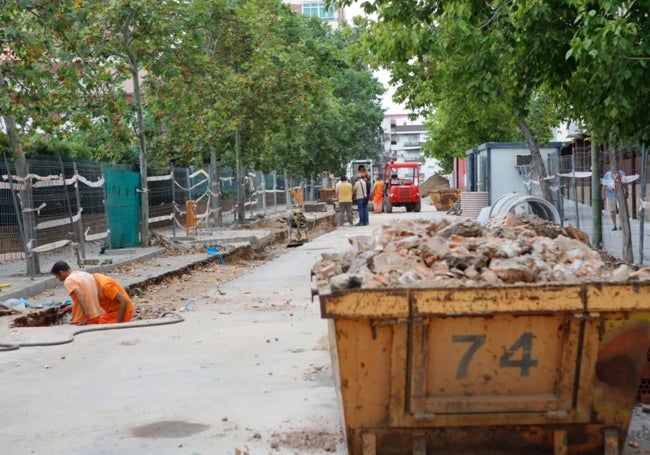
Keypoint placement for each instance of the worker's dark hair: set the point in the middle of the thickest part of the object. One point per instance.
(344, 179)
(60, 266)
(361, 166)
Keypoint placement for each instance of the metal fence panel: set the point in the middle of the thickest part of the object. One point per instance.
(68, 202)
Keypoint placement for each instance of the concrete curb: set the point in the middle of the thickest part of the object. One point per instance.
(24, 286)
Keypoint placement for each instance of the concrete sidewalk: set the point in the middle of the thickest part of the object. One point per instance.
(155, 262)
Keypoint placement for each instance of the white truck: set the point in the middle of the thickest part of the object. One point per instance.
(353, 168)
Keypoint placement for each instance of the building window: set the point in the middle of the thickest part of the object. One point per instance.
(318, 9)
(412, 140)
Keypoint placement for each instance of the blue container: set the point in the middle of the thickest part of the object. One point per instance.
(213, 250)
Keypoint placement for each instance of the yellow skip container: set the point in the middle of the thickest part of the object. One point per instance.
(520, 369)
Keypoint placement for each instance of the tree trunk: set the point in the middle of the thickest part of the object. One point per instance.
(26, 199)
(215, 189)
(537, 167)
(596, 199)
(241, 185)
(627, 253)
(144, 187)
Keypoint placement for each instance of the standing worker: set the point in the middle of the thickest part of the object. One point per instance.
(378, 191)
(366, 199)
(114, 300)
(360, 197)
(82, 288)
(362, 172)
(609, 194)
(344, 197)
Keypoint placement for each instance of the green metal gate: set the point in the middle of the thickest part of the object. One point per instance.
(123, 208)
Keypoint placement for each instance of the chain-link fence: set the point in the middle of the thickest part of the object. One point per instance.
(67, 204)
(53, 206)
(570, 179)
(11, 243)
(576, 190)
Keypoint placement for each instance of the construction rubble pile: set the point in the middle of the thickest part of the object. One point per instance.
(510, 249)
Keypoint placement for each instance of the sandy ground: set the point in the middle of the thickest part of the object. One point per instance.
(247, 372)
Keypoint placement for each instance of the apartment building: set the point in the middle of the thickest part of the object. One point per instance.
(334, 17)
(403, 138)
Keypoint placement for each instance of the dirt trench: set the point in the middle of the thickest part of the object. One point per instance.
(173, 290)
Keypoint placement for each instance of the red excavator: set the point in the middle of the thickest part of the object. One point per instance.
(402, 186)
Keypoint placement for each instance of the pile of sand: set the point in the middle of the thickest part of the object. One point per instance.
(435, 182)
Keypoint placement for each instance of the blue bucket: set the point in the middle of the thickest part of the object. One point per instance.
(212, 251)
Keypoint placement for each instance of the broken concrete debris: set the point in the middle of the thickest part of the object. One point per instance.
(510, 249)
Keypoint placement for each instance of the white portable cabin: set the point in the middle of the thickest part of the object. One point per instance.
(504, 167)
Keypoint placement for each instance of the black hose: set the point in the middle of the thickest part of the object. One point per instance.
(97, 328)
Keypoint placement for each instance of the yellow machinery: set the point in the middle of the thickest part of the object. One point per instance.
(297, 195)
(515, 369)
(297, 228)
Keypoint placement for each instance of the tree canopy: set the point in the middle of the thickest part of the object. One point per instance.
(476, 69)
(611, 54)
(286, 85)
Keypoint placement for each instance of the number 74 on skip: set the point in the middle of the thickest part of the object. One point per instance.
(518, 355)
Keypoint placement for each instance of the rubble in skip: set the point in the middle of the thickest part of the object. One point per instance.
(450, 253)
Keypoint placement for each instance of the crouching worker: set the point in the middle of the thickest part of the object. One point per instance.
(114, 300)
(82, 288)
